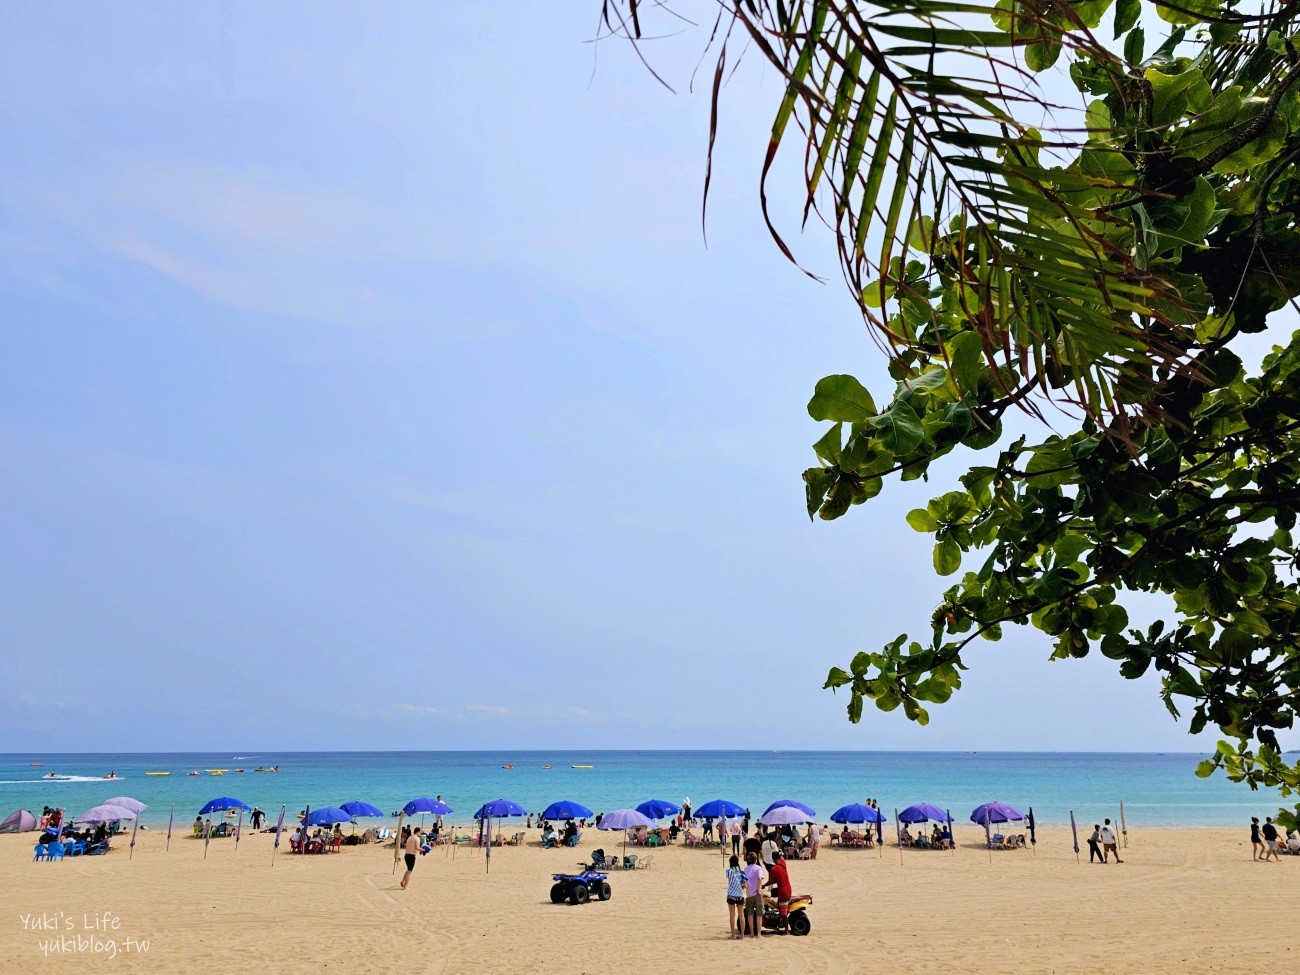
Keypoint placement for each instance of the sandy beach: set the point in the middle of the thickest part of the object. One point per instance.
(1184, 900)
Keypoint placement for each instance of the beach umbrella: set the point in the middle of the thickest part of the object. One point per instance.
(126, 802)
(358, 808)
(623, 819)
(134, 829)
(171, 818)
(996, 812)
(426, 805)
(104, 813)
(784, 816)
(790, 802)
(567, 810)
(923, 812)
(658, 809)
(1033, 829)
(1075, 830)
(718, 809)
(327, 816)
(222, 803)
(856, 812)
(498, 808)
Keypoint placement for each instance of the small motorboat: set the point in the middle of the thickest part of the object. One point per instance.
(36, 764)
(58, 778)
(273, 768)
(507, 765)
(239, 770)
(582, 766)
(157, 773)
(548, 765)
(216, 771)
(191, 773)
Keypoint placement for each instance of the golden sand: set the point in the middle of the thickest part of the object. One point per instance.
(1183, 901)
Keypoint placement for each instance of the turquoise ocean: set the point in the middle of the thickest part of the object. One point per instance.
(1157, 789)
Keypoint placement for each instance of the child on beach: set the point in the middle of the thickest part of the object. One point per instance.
(735, 900)
(753, 896)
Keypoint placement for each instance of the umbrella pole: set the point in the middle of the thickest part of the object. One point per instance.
(239, 829)
(952, 831)
(397, 842)
(487, 845)
(988, 837)
(898, 833)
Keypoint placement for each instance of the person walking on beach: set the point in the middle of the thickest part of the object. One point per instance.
(735, 900)
(1094, 845)
(410, 848)
(753, 896)
(1108, 842)
(255, 820)
(1270, 839)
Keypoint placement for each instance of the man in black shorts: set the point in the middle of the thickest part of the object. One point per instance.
(411, 847)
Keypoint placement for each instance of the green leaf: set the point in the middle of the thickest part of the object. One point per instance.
(1126, 15)
(922, 520)
(828, 448)
(900, 428)
(841, 398)
(967, 357)
(947, 557)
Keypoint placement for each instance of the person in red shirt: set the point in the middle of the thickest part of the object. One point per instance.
(779, 878)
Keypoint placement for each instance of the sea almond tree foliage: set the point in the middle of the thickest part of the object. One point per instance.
(1092, 259)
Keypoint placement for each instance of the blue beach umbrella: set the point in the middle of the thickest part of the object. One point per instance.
(996, 812)
(222, 803)
(499, 808)
(856, 812)
(923, 812)
(358, 808)
(659, 809)
(426, 805)
(327, 816)
(719, 809)
(566, 809)
(790, 802)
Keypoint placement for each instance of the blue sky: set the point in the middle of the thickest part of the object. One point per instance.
(367, 383)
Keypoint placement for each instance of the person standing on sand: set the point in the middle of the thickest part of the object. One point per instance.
(686, 810)
(1094, 844)
(735, 839)
(1270, 839)
(735, 900)
(753, 896)
(438, 818)
(1256, 843)
(410, 848)
(1108, 842)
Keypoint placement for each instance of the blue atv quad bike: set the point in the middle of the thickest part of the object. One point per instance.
(578, 888)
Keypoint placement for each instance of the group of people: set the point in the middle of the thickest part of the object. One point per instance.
(569, 837)
(745, 892)
(940, 837)
(1103, 842)
(1266, 842)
